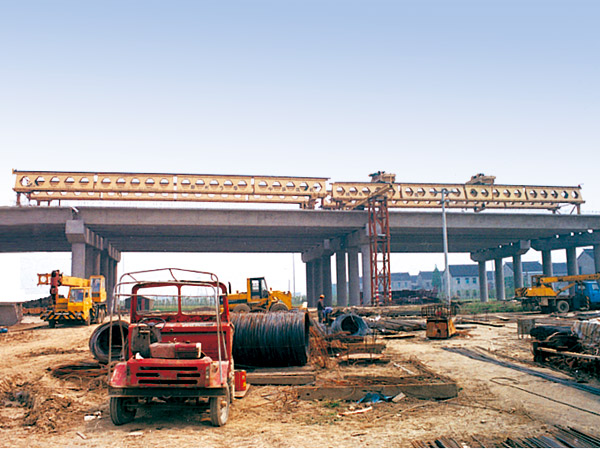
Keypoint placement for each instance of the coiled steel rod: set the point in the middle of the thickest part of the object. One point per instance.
(100, 338)
(271, 340)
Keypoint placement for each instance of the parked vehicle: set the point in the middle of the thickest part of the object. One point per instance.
(178, 346)
(543, 296)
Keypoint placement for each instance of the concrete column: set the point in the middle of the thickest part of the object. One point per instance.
(90, 261)
(327, 288)
(366, 274)
(597, 258)
(104, 263)
(310, 284)
(78, 259)
(96, 261)
(340, 278)
(547, 262)
(572, 265)
(318, 278)
(114, 277)
(517, 271)
(483, 286)
(353, 277)
(499, 273)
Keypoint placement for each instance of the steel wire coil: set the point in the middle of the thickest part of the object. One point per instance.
(351, 323)
(100, 338)
(278, 339)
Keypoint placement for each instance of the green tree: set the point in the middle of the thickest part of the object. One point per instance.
(436, 279)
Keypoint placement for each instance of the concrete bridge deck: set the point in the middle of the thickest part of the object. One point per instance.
(96, 236)
(26, 229)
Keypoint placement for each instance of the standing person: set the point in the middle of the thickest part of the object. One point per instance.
(321, 307)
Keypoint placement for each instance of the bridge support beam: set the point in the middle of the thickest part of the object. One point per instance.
(87, 251)
(547, 263)
(340, 277)
(514, 250)
(483, 286)
(499, 275)
(353, 277)
(327, 284)
(517, 271)
(572, 265)
(318, 277)
(365, 250)
(310, 284)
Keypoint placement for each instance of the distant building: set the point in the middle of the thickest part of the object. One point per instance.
(585, 262)
(464, 280)
(401, 281)
(424, 280)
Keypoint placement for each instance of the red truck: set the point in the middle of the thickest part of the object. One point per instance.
(178, 345)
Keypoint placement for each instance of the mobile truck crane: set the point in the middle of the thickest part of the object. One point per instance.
(541, 294)
(86, 301)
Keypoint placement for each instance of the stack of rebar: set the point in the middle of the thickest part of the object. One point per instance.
(559, 437)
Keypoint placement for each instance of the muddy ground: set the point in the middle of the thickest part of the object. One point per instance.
(38, 409)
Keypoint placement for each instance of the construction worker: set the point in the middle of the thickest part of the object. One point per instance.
(320, 308)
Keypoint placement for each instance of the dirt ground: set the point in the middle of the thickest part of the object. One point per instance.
(38, 409)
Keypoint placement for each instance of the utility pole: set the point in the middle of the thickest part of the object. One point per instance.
(445, 238)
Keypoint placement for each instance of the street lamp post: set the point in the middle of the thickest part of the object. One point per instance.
(445, 238)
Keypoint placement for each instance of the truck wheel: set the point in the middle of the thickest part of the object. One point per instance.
(278, 307)
(121, 410)
(52, 323)
(219, 409)
(562, 306)
(242, 308)
(545, 309)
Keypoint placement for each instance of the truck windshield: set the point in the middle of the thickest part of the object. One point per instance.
(189, 299)
(96, 284)
(76, 295)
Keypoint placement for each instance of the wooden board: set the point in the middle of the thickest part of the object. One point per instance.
(364, 358)
(435, 391)
(290, 379)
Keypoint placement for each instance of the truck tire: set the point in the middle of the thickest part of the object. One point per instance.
(562, 306)
(241, 308)
(121, 411)
(219, 409)
(545, 309)
(278, 306)
(52, 323)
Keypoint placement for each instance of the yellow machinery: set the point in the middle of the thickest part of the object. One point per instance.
(85, 303)
(541, 294)
(258, 297)
(439, 321)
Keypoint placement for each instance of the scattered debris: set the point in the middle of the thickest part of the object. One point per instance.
(357, 411)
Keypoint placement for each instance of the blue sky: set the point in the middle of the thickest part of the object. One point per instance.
(434, 91)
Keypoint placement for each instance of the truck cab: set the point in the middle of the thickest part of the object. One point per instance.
(591, 290)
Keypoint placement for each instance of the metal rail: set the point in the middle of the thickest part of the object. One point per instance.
(311, 192)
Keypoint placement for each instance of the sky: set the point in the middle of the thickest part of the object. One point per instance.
(433, 91)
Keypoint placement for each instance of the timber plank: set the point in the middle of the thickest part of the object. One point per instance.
(290, 379)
